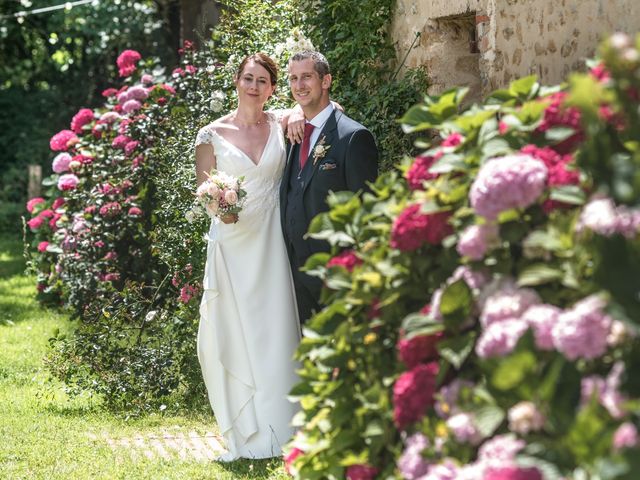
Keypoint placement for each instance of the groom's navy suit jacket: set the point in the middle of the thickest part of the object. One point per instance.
(350, 161)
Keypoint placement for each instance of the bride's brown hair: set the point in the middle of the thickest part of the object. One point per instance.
(263, 60)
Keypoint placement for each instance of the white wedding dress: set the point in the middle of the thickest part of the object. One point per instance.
(249, 326)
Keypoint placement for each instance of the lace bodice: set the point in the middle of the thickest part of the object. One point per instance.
(261, 181)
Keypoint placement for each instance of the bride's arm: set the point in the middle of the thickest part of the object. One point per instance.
(205, 162)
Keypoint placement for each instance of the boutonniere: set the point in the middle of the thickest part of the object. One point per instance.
(320, 150)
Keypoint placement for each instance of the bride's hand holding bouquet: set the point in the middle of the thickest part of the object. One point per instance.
(221, 196)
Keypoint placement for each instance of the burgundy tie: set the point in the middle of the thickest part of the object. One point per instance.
(304, 148)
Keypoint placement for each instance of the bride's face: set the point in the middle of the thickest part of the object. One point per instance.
(254, 83)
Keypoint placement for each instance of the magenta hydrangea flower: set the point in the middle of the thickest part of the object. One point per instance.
(417, 349)
(127, 62)
(413, 392)
(500, 338)
(412, 464)
(61, 162)
(419, 172)
(63, 140)
(68, 181)
(361, 472)
(412, 229)
(131, 106)
(513, 473)
(475, 240)
(130, 147)
(541, 318)
(347, 259)
(626, 436)
(581, 332)
(504, 183)
(135, 212)
(120, 141)
(80, 119)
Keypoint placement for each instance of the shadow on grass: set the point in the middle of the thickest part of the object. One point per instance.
(11, 259)
(252, 468)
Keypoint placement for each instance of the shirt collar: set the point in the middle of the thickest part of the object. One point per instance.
(320, 119)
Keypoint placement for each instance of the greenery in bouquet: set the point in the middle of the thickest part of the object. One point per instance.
(482, 300)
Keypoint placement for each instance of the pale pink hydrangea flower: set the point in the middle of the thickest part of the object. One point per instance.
(476, 239)
(464, 429)
(110, 117)
(138, 92)
(508, 302)
(542, 318)
(501, 447)
(446, 470)
(68, 181)
(61, 162)
(606, 391)
(514, 181)
(600, 216)
(500, 338)
(412, 465)
(626, 436)
(131, 106)
(524, 417)
(582, 331)
(146, 79)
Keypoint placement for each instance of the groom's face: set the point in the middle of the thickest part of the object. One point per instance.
(308, 89)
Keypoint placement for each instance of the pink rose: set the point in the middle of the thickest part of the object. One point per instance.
(231, 197)
(290, 457)
(61, 162)
(42, 246)
(57, 203)
(626, 436)
(35, 223)
(80, 119)
(31, 204)
(63, 140)
(67, 181)
(127, 62)
(135, 212)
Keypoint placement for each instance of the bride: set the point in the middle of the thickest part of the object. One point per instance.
(249, 327)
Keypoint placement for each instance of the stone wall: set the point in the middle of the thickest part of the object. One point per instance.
(485, 44)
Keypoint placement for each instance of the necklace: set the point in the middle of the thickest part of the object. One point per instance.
(249, 124)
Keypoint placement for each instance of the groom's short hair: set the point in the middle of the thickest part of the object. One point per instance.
(320, 63)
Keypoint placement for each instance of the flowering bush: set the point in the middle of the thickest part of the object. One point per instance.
(489, 329)
(121, 249)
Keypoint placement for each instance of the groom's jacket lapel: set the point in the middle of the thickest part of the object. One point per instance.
(328, 132)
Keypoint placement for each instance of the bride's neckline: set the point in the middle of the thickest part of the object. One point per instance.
(239, 150)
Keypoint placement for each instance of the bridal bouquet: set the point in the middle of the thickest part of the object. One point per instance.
(220, 195)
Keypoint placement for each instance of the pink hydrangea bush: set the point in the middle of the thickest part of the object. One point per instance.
(520, 231)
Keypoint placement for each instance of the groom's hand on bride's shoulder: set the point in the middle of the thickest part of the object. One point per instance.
(295, 125)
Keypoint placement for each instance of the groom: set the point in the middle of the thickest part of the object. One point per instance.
(336, 154)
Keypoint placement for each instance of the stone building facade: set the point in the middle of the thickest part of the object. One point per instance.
(485, 44)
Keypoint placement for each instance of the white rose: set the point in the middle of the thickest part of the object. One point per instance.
(190, 216)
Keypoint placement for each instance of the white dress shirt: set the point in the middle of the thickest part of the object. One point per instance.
(318, 122)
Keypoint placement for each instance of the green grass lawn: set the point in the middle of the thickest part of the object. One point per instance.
(47, 435)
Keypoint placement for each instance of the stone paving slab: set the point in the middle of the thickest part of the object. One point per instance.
(165, 444)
